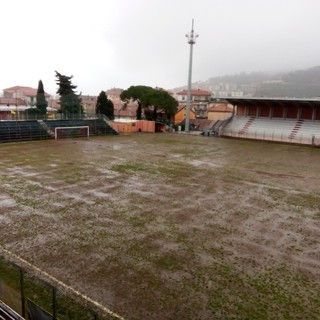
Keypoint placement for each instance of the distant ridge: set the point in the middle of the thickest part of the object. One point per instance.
(299, 84)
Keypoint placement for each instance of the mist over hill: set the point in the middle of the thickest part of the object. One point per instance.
(299, 84)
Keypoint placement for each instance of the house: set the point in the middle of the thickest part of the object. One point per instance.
(220, 111)
(114, 94)
(197, 95)
(27, 94)
(180, 115)
(200, 100)
(11, 108)
(123, 110)
(16, 100)
(89, 104)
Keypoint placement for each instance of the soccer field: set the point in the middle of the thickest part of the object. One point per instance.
(169, 226)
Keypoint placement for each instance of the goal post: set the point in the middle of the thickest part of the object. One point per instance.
(71, 132)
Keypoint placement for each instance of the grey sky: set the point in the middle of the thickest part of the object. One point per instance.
(118, 43)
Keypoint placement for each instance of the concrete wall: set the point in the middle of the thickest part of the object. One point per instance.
(134, 126)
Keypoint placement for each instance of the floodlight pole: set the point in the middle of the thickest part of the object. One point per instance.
(191, 40)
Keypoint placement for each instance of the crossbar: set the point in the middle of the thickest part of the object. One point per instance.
(77, 127)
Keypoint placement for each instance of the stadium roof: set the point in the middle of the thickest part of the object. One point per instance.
(276, 102)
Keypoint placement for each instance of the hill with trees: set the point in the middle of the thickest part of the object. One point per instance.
(299, 84)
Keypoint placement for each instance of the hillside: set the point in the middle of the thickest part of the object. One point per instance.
(299, 84)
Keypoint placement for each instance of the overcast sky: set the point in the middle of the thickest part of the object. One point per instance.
(119, 43)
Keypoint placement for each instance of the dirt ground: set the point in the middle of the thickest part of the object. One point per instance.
(170, 226)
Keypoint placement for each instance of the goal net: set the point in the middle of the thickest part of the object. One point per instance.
(71, 132)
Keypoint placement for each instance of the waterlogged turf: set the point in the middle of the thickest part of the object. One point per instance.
(161, 226)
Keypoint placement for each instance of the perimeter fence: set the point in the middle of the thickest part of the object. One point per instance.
(33, 295)
(273, 136)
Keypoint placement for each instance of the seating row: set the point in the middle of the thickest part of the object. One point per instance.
(22, 131)
(277, 129)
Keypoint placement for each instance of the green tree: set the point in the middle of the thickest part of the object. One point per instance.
(70, 102)
(104, 105)
(135, 93)
(161, 101)
(151, 101)
(139, 112)
(42, 103)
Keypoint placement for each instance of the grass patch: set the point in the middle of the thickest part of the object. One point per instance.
(278, 294)
(39, 292)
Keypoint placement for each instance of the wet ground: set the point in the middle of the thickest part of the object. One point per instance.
(170, 226)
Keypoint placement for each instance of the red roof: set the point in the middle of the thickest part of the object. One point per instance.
(195, 92)
(125, 110)
(27, 91)
(221, 107)
(53, 103)
(12, 101)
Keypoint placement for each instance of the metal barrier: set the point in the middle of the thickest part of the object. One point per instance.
(272, 136)
(23, 285)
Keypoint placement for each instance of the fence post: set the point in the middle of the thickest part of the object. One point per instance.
(23, 299)
(54, 303)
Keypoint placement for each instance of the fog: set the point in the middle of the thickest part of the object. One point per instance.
(118, 43)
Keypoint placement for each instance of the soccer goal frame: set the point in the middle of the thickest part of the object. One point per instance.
(73, 133)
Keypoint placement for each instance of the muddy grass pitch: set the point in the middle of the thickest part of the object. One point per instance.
(169, 226)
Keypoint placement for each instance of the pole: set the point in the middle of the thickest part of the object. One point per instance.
(23, 299)
(187, 123)
(191, 40)
(54, 303)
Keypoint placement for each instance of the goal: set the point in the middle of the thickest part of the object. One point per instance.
(71, 132)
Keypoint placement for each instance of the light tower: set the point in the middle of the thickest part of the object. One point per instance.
(191, 40)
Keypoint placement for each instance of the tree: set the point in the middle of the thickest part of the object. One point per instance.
(42, 103)
(135, 93)
(104, 106)
(149, 97)
(160, 100)
(70, 102)
(139, 112)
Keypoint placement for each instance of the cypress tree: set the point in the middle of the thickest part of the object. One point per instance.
(104, 106)
(42, 103)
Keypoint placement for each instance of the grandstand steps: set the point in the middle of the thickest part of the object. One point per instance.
(45, 127)
(296, 129)
(247, 125)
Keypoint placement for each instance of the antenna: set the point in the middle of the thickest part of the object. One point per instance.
(192, 36)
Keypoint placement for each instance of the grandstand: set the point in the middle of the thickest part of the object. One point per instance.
(25, 130)
(285, 120)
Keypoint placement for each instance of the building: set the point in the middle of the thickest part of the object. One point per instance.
(290, 120)
(220, 111)
(16, 100)
(27, 94)
(180, 115)
(114, 94)
(89, 104)
(200, 100)
(123, 110)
